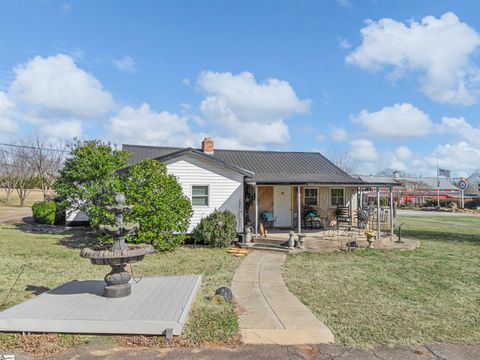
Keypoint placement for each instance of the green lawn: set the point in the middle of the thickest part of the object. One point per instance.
(372, 297)
(54, 259)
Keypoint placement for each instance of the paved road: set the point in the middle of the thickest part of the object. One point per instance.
(268, 312)
(403, 212)
(14, 214)
(264, 352)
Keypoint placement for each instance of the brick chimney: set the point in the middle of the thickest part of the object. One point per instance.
(207, 146)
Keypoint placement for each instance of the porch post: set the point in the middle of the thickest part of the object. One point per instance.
(378, 212)
(361, 197)
(391, 211)
(256, 210)
(299, 210)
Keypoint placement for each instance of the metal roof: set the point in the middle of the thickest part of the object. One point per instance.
(429, 182)
(416, 182)
(143, 152)
(204, 156)
(379, 180)
(275, 167)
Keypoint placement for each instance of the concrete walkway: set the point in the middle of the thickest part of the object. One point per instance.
(268, 312)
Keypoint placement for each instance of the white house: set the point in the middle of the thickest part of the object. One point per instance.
(282, 184)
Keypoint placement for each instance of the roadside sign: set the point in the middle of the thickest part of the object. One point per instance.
(462, 184)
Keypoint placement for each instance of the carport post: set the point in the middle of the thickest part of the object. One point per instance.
(360, 190)
(299, 210)
(256, 210)
(391, 211)
(378, 212)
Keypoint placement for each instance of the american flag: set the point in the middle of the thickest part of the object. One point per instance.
(444, 172)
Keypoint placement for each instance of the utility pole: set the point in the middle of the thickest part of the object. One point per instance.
(438, 186)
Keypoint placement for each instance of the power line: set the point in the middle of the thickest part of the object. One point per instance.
(33, 147)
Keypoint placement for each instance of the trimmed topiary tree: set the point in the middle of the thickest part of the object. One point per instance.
(160, 207)
(89, 179)
(217, 229)
(44, 212)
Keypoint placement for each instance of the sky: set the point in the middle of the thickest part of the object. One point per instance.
(395, 84)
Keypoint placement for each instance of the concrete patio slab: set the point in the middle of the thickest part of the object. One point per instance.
(268, 312)
(155, 305)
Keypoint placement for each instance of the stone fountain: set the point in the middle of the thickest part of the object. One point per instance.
(120, 254)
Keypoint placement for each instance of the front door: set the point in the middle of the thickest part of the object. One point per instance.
(282, 205)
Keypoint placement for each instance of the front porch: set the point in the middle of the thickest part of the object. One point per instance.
(329, 215)
(316, 205)
(325, 240)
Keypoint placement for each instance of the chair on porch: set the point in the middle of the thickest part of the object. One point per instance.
(268, 219)
(343, 216)
(311, 219)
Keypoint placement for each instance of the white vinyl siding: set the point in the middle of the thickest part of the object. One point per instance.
(225, 187)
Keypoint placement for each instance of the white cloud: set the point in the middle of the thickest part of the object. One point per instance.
(55, 84)
(437, 48)
(143, 126)
(363, 150)
(125, 64)
(397, 121)
(461, 127)
(343, 43)
(7, 125)
(66, 6)
(339, 134)
(463, 158)
(398, 165)
(403, 153)
(347, 4)
(252, 112)
(320, 138)
(62, 129)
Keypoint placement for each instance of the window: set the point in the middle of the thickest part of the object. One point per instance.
(200, 195)
(311, 197)
(337, 197)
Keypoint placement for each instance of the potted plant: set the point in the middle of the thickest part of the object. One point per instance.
(370, 234)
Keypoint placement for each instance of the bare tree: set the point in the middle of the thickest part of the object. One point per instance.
(8, 178)
(24, 173)
(343, 159)
(46, 159)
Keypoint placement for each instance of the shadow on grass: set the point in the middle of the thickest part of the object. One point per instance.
(36, 290)
(441, 236)
(74, 237)
(80, 241)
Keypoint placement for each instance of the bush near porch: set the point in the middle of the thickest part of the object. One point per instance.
(398, 297)
(54, 259)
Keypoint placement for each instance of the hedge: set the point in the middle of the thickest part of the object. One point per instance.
(217, 229)
(44, 212)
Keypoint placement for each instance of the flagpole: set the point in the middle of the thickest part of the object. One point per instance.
(438, 186)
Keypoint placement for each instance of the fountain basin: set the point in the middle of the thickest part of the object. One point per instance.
(132, 253)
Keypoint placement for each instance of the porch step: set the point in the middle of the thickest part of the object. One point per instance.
(266, 246)
(272, 240)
